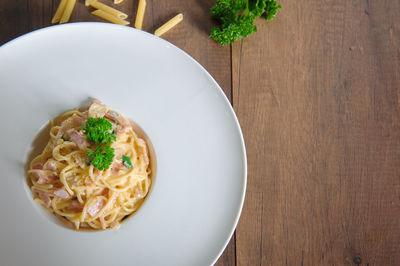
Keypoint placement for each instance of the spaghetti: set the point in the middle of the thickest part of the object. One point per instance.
(63, 182)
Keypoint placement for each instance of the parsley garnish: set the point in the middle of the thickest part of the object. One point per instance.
(272, 9)
(102, 157)
(237, 18)
(100, 132)
(127, 161)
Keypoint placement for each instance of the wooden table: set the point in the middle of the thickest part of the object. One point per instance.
(317, 93)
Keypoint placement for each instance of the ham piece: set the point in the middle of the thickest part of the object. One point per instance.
(96, 207)
(61, 193)
(44, 177)
(78, 138)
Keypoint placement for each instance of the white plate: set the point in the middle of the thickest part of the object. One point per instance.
(199, 189)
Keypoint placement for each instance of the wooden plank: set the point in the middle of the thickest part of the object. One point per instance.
(21, 16)
(318, 99)
(13, 19)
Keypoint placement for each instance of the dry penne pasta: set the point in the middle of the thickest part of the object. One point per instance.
(140, 14)
(169, 25)
(59, 12)
(118, 1)
(68, 11)
(107, 16)
(100, 6)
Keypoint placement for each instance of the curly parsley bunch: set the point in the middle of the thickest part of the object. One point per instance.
(100, 132)
(237, 18)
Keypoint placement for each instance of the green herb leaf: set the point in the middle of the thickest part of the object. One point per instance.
(99, 130)
(127, 161)
(237, 18)
(272, 9)
(241, 28)
(102, 157)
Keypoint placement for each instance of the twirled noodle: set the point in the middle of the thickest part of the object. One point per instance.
(66, 185)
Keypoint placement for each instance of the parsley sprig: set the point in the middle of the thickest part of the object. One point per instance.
(237, 18)
(127, 161)
(100, 132)
(102, 157)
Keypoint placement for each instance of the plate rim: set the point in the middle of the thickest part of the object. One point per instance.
(203, 69)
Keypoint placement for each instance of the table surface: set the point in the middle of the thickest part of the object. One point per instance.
(317, 93)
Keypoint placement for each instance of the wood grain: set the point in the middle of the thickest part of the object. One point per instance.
(317, 93)
(21, 16)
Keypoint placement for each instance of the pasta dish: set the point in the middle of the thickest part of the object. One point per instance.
(94, 171)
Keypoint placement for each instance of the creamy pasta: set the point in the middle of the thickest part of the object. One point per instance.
(65, 182)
